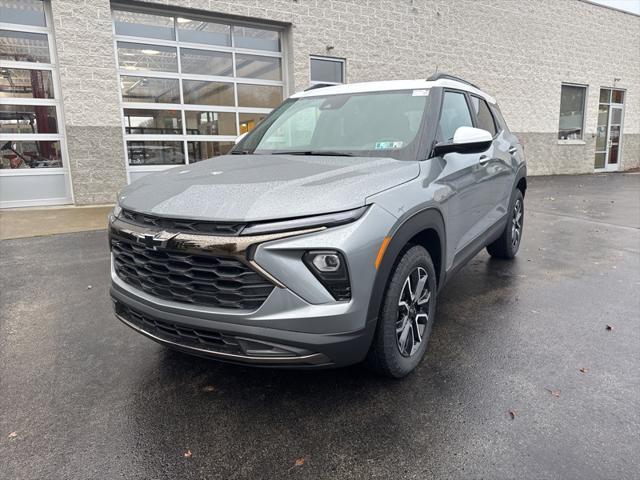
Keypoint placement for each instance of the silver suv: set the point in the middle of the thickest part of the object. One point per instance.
(323, 237)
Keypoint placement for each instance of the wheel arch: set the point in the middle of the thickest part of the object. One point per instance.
(425, 228)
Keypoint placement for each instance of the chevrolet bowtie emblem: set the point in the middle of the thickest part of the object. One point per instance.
(154, 241)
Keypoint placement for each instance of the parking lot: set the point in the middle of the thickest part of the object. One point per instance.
(523, 378)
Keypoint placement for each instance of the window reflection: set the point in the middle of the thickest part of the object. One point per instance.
(196, 31)
(24, 46)
(210, 123)
(155, 153)
(138, 56)
(23, 83)
(259, 96)
(149, 90)
(571, 112)
(29, 154)
(143, 25)
(205, 62)
(23, 12)
(152, 122)
(28, 119)
(208, 93)
(257, 66)
(256, 38)
(248, 121)
(203, 150)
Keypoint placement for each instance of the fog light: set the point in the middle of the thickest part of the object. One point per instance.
(326, 262)
(331, 269)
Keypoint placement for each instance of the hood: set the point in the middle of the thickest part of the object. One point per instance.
(264, 187)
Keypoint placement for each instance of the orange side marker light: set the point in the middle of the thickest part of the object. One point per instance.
(383, 248)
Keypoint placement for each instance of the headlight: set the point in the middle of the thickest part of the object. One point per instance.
(330, 268)
(117, 209)
(325, 220)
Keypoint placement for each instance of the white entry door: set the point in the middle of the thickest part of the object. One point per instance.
(609, 134)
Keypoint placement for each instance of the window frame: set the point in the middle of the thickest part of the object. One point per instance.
(55, 102)
(469, 107)
(574, 141)
(341, 60)
(475, 115)
(185, 138)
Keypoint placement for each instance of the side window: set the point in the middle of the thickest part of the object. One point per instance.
(455, 113)
(483, 115)
(497, 115)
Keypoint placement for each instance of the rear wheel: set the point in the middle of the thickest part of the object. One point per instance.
(509, 242)
(406, 317)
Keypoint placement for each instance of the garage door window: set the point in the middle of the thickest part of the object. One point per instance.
(190, 86)
(30, 137)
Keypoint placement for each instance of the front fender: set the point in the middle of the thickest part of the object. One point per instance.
(403, 231)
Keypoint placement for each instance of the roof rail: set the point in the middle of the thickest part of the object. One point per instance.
(446, 76)
(319, 85)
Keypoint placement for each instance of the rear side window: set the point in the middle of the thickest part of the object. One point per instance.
(500, 123)
(483, 115)
(455, 113)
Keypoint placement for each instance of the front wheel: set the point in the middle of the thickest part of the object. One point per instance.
(509, 242)
(406, 317)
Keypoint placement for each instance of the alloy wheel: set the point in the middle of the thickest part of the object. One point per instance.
(413, 312)
(516, 223)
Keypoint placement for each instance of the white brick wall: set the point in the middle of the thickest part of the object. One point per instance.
(518, 50)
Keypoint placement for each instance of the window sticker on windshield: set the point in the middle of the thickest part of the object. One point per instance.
(420, 93)
(388, 145)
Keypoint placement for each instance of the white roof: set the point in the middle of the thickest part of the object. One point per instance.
(392, 85)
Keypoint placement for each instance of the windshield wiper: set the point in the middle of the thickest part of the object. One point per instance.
(322, 153)
(240, 152)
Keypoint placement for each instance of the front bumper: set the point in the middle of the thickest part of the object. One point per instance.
(299, 324)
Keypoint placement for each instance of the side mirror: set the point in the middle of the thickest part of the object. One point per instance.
(465, 140)
(240, 137)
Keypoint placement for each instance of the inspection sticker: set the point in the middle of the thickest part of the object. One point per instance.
(420, 93)
(388, 145)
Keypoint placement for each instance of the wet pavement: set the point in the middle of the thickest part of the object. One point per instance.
(84, 397)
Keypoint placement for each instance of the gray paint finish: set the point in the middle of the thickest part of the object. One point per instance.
(264, 187)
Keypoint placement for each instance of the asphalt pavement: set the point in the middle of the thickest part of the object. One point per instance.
(532, 370)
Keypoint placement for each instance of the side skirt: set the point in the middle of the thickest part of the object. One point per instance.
(474, 247)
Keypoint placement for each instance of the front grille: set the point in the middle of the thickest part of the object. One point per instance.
(195, 226)
(187, 336)
(200, 279)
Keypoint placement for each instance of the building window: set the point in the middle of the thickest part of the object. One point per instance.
(190, 86)
(572, 101)
(31, 133)
(326, 70)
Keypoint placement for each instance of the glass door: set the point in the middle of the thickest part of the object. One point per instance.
(609, 132)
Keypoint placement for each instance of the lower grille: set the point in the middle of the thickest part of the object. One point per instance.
(199, 279)
(171, 332)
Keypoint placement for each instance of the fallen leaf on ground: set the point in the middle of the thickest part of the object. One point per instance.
(512, 414)
(298, 463)
(187, 454)
(13, 435)
(555, 393)
(209, 388)
(584, 370)
(609, 327)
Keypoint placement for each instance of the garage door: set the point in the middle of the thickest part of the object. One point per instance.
(33, 159)
(190, 85)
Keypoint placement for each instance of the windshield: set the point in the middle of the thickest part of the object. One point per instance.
(379, 124)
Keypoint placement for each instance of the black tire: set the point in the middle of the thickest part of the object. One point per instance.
(385, 356)
(508, 244)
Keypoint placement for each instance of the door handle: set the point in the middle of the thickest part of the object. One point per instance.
(483, 160)
(513, 150)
